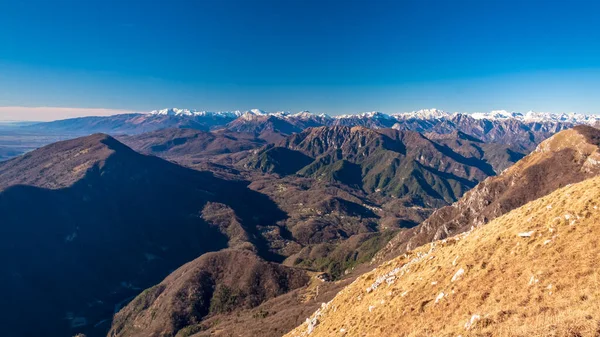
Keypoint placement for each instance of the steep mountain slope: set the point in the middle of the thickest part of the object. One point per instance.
(213, 283)
(531, 272)
(87, 223)
(272, 318)
(521, 135)
(402, 164)
(372, 120)
(568, 157)
(498, 155)
(268, 127)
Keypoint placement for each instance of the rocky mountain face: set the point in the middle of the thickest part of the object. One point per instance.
(401, 164)
(339, 184)
(499, 156)
(566, 158)
(267, 127)
(88, 223)
(521, 135)
(530, 272)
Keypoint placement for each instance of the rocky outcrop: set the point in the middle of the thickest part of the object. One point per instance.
(566, 158)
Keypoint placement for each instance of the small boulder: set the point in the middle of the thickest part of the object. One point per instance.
(472, 322)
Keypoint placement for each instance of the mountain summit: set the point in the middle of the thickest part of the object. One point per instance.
(88, 223)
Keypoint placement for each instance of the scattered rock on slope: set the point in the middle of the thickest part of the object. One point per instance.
(510, 285)
(567, 157)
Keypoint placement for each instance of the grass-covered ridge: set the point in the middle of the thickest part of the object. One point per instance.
(531, 272)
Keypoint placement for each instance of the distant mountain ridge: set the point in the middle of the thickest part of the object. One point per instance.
(530, 116)
(294, 122)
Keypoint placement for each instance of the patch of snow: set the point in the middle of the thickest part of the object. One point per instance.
(425, 114)
(195, 113)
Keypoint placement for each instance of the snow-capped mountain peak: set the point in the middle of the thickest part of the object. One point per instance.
(532, 117)
(257, 112)
(365, 115)
(497, 115)
(195, 113)
(174, 112)
(426, 114)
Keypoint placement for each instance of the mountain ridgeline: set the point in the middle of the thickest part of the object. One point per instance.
(401, 164)
(87, 223)
(521, 131)
(244, 223)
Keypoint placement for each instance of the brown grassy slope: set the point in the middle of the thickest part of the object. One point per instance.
(545, 284)
(567, 157)
(276, 316)
(181, 144)
(59, 164)
(214, 283)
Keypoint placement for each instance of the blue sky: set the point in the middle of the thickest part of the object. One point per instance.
(329, 56)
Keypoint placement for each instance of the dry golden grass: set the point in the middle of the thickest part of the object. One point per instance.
(564, 140)
(546, 284)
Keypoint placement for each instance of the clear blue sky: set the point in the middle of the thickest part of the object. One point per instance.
(325, 56)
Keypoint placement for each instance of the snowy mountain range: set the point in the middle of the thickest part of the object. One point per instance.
(274, 125)
(424, 114)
